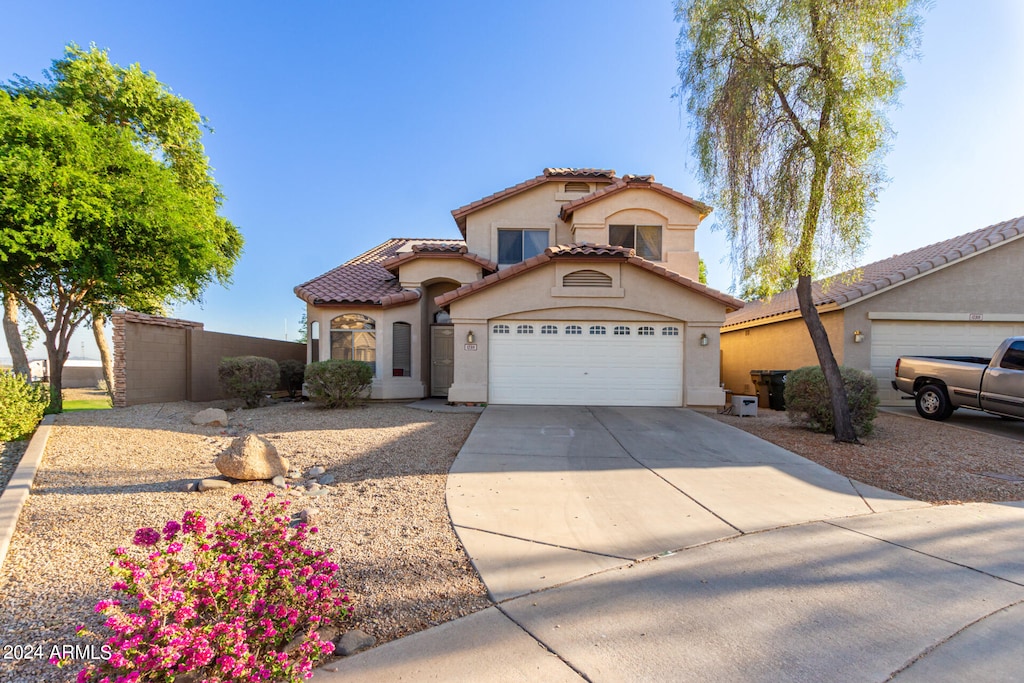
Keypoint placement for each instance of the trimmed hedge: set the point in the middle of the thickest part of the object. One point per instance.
(808, 401)
(338, 383)
(249, 378)
(21, 405)
(293, 374)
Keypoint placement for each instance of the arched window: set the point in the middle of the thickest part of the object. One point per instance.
(353, 337)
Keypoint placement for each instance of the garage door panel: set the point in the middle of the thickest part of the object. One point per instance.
(892, 339)
(585, 369)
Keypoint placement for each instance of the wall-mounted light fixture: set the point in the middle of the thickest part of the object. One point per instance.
(703, 339)
(470, 338)
(858, 336)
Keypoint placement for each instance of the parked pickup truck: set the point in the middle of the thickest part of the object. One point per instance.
(941, 384)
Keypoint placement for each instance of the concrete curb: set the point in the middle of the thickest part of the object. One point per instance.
(18, 488)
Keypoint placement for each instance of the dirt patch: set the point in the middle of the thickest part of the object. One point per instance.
(930, 461)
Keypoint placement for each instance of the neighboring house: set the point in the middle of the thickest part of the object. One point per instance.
(957, 297)
(576, 287)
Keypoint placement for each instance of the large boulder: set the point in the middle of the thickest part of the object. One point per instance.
(251, 457)
(211, 417)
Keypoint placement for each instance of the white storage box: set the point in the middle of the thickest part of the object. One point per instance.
(744, 406)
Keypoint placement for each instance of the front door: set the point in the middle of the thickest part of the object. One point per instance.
(442, 359)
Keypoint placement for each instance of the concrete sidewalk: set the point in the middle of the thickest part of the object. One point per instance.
(659, 544)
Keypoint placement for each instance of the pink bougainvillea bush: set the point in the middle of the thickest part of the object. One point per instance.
(241, 601)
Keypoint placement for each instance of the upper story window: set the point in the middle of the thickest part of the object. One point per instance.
(518, 245)
(646, 239)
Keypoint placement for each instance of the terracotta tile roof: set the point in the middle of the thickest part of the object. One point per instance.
(847, 287)
(586, 252)
(363, 280)
(631, 182)
(435, 250)
(549, 174)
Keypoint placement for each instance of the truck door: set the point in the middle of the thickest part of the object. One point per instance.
(1002, 389)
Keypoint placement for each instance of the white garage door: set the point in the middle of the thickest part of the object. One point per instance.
(586, 363)
(891, 339)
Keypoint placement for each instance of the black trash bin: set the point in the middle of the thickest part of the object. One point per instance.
(776, 381)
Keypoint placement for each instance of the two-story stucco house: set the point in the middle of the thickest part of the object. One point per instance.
(576, 287)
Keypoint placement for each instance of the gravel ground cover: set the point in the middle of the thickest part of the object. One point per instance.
(106, 473)
(930, 461)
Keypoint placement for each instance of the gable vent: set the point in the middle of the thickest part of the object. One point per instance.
(586, 278)
(577, 187)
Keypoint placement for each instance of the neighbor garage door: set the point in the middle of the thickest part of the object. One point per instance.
(891, 339)
(585, 363)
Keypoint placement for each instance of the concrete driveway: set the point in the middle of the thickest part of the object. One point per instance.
(658, 544)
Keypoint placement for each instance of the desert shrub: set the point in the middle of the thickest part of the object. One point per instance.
(293, 374)
(338, 383)
(808, 401)
(248, 378)
(240, 602)
(21, 405)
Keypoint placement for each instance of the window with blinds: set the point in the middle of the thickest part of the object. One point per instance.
(401, 349)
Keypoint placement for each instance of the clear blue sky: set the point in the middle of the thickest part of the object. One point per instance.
(340, 124)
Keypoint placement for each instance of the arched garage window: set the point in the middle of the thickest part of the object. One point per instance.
(353, 338)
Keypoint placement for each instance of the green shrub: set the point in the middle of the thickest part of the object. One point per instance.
(21, 405)
(808, 401)
(338, 383)
(293, 374)
(248, 378)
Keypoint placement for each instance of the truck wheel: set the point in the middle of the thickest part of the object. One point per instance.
(932, 403)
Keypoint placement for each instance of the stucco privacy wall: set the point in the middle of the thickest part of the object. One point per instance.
(784, 345)
(159, 360)
(644, 296)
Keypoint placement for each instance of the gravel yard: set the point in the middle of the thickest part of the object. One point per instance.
(936, 462)
(106, 473)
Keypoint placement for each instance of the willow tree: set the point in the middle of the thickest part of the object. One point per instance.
(787, 99)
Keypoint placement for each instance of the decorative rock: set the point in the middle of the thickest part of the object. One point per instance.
(326, 479)
(190, 486)
(211, 417)
(279, 482)
(307, 515)
(317, 492)
(315, 471)
(326, 634)
(213, 484)
(294, 474)
(353, 642)
(251, 457)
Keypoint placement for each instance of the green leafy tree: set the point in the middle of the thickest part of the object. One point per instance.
(303, 327)
(787, 99)
(107, 199)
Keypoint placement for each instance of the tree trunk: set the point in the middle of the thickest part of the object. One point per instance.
(19, 360)
(56, 379)
(844, 431)
(98, 322)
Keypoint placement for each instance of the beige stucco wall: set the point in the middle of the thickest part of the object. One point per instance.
(385, 385)
(538, 208)
(985, 284)
(784, 345)
(644, 296)
(414, 273)
(535, 208)
(638, 206)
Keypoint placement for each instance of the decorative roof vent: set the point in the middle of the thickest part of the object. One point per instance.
(586, 278)
(577, 187)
